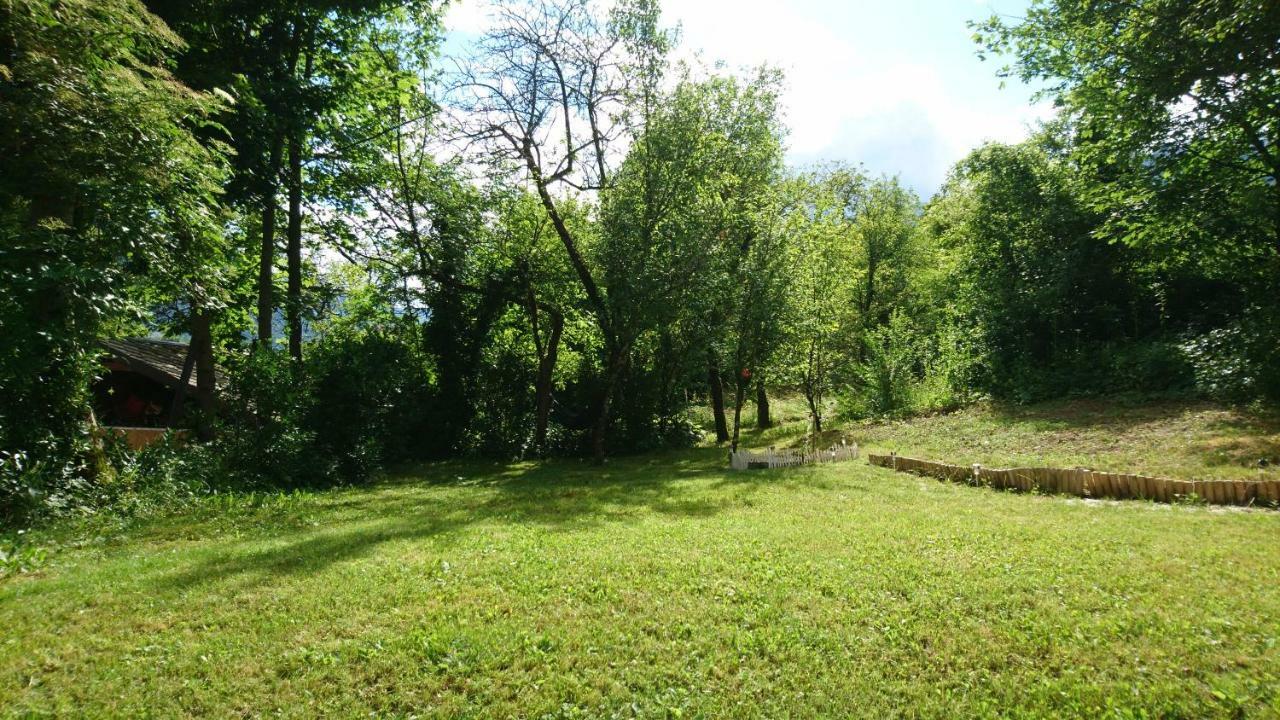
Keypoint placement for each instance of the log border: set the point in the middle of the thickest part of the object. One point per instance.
(1082, 482)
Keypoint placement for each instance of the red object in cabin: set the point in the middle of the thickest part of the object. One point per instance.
(135, 408)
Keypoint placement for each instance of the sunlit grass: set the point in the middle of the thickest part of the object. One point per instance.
(655, 587)
(1177, 439)
(1180, 439)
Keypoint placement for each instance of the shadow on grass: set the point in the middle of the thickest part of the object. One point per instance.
(434, 503)
(1116, 415)
(1245, 440)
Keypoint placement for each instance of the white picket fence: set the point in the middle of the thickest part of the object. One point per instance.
(771, 458)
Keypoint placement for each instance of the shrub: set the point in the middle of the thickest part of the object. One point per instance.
(885, 378)
(356, 403)
(1152, 366)
(368, 394)
(123, 482)
(1240, 361)
(264, 441)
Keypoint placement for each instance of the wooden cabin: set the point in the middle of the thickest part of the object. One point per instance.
(146, 389)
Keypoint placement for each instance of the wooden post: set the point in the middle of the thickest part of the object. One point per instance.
(180, 392)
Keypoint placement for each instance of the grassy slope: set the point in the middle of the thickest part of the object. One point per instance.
(1174, 438)
(655, 586)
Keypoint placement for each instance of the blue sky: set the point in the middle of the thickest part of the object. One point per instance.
(892, 84)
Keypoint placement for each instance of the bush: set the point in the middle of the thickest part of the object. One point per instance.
(369, 394)
(1153, 366)
(503, 424)
(123, 482)
(885, 379)
(356, 403)
(951, 368)
(264, 441)
(1240, 361)
(32, 487)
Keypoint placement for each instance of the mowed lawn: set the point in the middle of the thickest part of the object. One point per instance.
(656, 587)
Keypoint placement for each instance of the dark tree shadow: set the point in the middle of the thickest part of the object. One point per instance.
(560, 496)
(1113, 414)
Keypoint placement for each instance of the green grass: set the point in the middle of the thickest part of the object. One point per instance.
(655, 587)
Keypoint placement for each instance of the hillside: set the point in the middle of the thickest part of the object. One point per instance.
(1181, 439)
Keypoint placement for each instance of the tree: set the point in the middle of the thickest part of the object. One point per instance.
(1032, 280)
(1171, 110)
(1173, 103)
(104, 178)
(305, 75)
(884, 233)
(680, 223)
(548, 290)
(757, 315)
(820, 302)
(547, 93)
(417, 225)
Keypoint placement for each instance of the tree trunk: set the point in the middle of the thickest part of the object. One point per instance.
(740, 390)
(812, 387)
(763, 421)
(293, 301)
(1275, 190)
(202, 346)
(545, 383)
(180, 395)
(617, 362)
(588, 282)
(813, 411)
(297, 136)
(267, 253)
(717, 397)
(666, 382)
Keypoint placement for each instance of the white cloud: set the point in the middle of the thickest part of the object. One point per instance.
(470, 17)
(897, 111)
(847, 104)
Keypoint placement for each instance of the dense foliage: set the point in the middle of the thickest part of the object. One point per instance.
(1168, 142)
(564, 242)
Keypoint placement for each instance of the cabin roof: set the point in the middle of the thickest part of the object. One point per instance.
(160, 360)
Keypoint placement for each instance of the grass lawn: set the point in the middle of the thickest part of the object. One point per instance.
(657, 587)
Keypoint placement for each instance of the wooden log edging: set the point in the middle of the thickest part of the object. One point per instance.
(772, 458)
(1088, 483)
(138, 438)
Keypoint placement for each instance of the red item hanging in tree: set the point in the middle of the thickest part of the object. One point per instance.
(746, 373)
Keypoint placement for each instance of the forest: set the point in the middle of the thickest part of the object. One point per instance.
(568, 240)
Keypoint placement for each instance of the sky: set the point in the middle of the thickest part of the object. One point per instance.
(893, 85)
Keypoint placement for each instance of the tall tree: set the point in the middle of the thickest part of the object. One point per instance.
(884, 232)
(104, 177)
(301, 78)
(1031, 279)
(820, 303)
(417, 225)
(548, 92)
(1174, 104)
